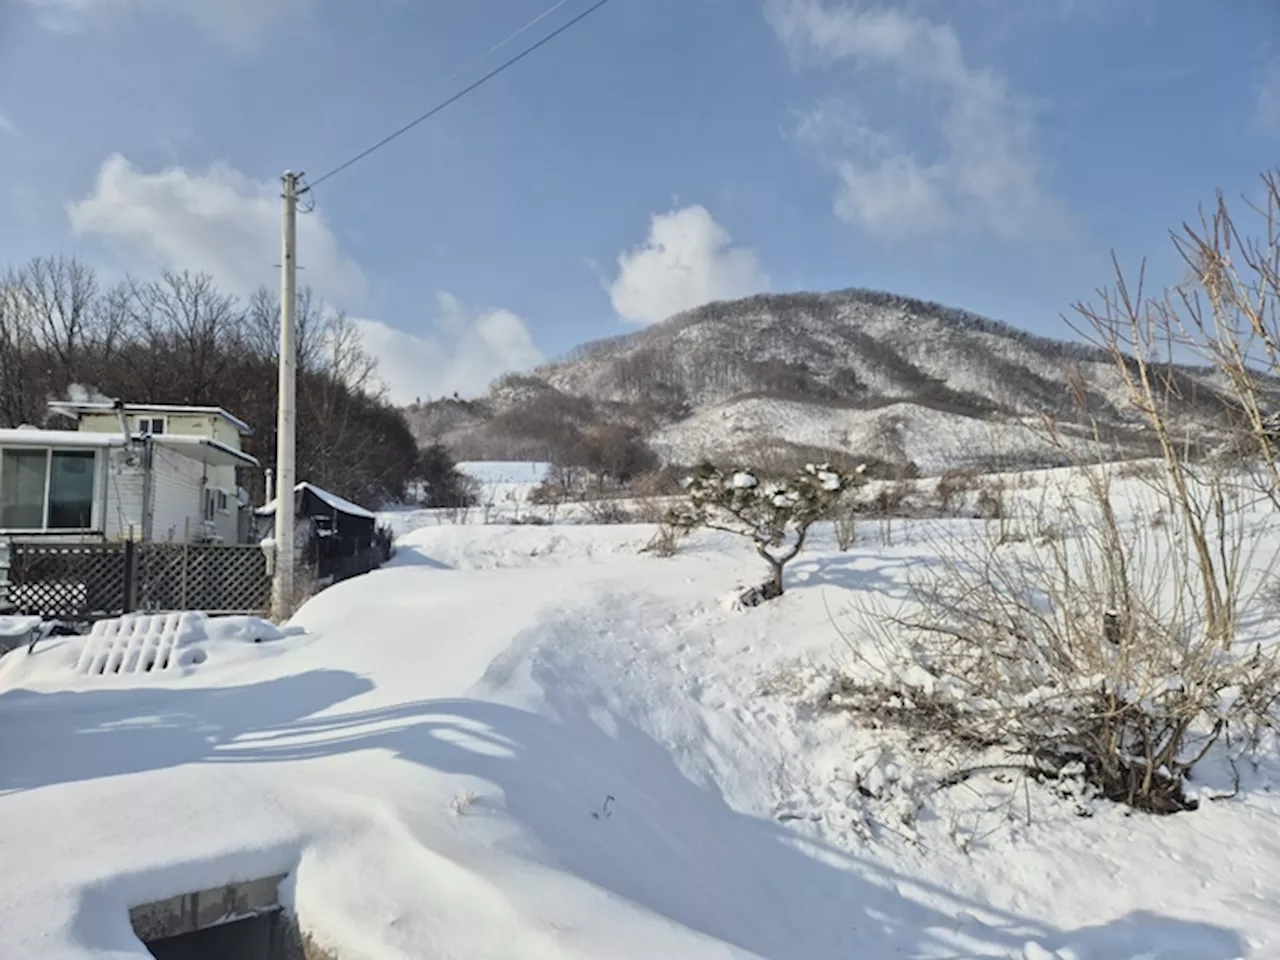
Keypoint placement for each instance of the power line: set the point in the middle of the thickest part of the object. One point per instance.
(498, 46)
(502, 68)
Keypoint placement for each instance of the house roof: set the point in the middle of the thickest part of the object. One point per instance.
(73, 408)
(213, 452)
(332, 499)
(206, 450)
(26, 437)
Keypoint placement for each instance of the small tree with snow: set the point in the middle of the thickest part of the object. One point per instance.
(774, 516)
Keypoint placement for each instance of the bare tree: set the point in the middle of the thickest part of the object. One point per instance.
(191, 329)
(58, 295)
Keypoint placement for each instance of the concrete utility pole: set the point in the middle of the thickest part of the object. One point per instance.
(286, 442)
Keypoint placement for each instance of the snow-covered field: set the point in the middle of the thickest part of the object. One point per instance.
(534, 742)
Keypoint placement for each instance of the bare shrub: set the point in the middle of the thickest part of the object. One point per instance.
(665, 541)
(1091, 656)
(607, 511)
(890, 501)
(1139, 470)
(990, 504)
(952, 489)
(663, 482)
(844, 520)
(561, 485)
(655, 510)
(1226, 314)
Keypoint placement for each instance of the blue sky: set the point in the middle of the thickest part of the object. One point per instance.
(987, 154)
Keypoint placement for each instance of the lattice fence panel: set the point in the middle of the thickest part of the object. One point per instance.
(211, 577)
(65, 580)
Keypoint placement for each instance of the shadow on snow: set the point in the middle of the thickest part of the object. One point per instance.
(662, 842)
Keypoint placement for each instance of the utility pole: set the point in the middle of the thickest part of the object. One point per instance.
(286, 442)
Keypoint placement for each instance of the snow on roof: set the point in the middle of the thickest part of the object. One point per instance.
(332, 499)
(26, 437)
(74, 407)
(335, 501)
(204, 449)
(214, 452)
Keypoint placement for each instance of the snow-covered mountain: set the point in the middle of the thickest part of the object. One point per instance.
(856, 372)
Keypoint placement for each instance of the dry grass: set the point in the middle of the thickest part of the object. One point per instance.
(1098, 653)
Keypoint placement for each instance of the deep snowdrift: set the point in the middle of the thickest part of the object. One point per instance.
(533, 742)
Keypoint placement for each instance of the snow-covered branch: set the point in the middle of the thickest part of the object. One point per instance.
(774, 515)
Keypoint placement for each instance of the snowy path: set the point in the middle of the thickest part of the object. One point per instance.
(531, 742)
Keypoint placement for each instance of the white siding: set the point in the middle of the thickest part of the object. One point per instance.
(123, 502)
(189, 425)
(228, 522)
(177, 496)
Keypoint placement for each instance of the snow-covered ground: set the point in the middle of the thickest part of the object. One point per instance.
(533, 741)
(516, 472)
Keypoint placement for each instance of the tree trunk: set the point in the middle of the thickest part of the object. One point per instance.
(773, 587)
(775, 582)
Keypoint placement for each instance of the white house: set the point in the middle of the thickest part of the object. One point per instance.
(129, 472)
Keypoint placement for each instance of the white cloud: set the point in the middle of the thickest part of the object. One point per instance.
(6, 126)
(238, 23)
(686, 261)
(226, 224)
(217, 221)
(982, 174)
(1266, 114)
(464, 353)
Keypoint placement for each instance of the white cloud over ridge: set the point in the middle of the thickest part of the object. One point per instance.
(221, 222)
(217, 221)
(687, 260)
(982, 173)
(464, 353)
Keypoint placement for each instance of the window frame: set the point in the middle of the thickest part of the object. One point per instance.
(95, 505)
(147, 425)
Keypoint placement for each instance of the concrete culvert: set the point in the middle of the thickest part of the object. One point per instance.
(251, 939)
(242, 921)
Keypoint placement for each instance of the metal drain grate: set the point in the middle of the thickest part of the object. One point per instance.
(143, 643)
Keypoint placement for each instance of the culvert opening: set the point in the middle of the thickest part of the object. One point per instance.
(250, 939)
(241, 921)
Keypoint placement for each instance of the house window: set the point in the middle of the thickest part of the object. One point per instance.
(151, 426)
(71, 490)
(216, 501)
(22, 475)
(46, 489)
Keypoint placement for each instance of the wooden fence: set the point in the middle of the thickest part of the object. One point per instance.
(91, 581)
